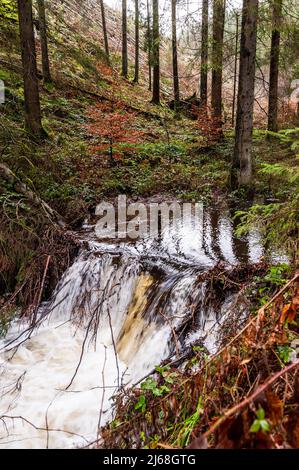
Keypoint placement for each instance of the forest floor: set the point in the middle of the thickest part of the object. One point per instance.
(113, 141)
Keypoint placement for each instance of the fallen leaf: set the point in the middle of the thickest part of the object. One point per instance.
(288, 313)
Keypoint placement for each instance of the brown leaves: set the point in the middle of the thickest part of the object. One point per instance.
(292, 427)
(288, 313)
(274, 407)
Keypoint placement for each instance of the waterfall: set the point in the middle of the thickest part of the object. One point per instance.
(118, 311)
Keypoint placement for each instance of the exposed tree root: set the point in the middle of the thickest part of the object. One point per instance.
(35, 248)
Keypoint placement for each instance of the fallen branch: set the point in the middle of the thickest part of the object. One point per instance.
(250, 399)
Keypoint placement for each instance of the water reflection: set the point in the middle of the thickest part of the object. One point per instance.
(183, 244)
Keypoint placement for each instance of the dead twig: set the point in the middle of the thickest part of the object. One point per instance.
(240, 406)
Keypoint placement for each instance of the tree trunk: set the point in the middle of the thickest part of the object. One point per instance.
(106, 44)
(31, 91)
(156, 54)
(274, 66)
(124, 70)
(136, 77)
(235, 70)
(149, 45)
(204, 53)
(241, 174)
(44, 40)
(176, 88)
(217, 59)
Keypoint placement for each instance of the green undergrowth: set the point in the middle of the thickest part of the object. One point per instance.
(276, 216)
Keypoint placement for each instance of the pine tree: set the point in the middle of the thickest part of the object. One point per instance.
(136, 76)
(235, 69)
(204, 53)
(31, 92)
(241, 173)
(149, 45)
(156, 53)
(274, 66)
(106, 44)
(176, 88)
(44, 40)
(124, 70)
(217, 58)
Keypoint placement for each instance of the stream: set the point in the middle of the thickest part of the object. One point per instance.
(118, 311)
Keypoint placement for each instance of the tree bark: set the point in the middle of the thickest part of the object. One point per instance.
(44, 40)
(274, 66)
(124, 70)
(241, 173)
(217, 58)
(149, 45)
(106, 44)
(156, 54)
(136, 76)
(176, 87)
(235, 70)
(31, 92)
(204, 53)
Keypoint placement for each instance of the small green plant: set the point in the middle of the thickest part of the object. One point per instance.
(260, 423)
(141, 404)
(168, 376)
(284, 352)
(187, 426)
(151, 385)
(276, 274)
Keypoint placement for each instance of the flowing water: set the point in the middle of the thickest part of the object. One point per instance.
(118, 311)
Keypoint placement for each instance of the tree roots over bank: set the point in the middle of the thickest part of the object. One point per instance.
(245, 396)
(34, 252)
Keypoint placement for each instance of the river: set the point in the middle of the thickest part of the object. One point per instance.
(118, 311)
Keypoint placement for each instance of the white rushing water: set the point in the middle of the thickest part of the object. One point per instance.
(118, 311)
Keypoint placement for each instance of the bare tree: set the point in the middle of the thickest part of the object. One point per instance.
(156, 53)
(106, 44)
(217, 58)
(136, 76)
(274, 66)
(241, 173)
(31, 91)
(124, 70)
(44, 40)
(204, 53)
(176, 87)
